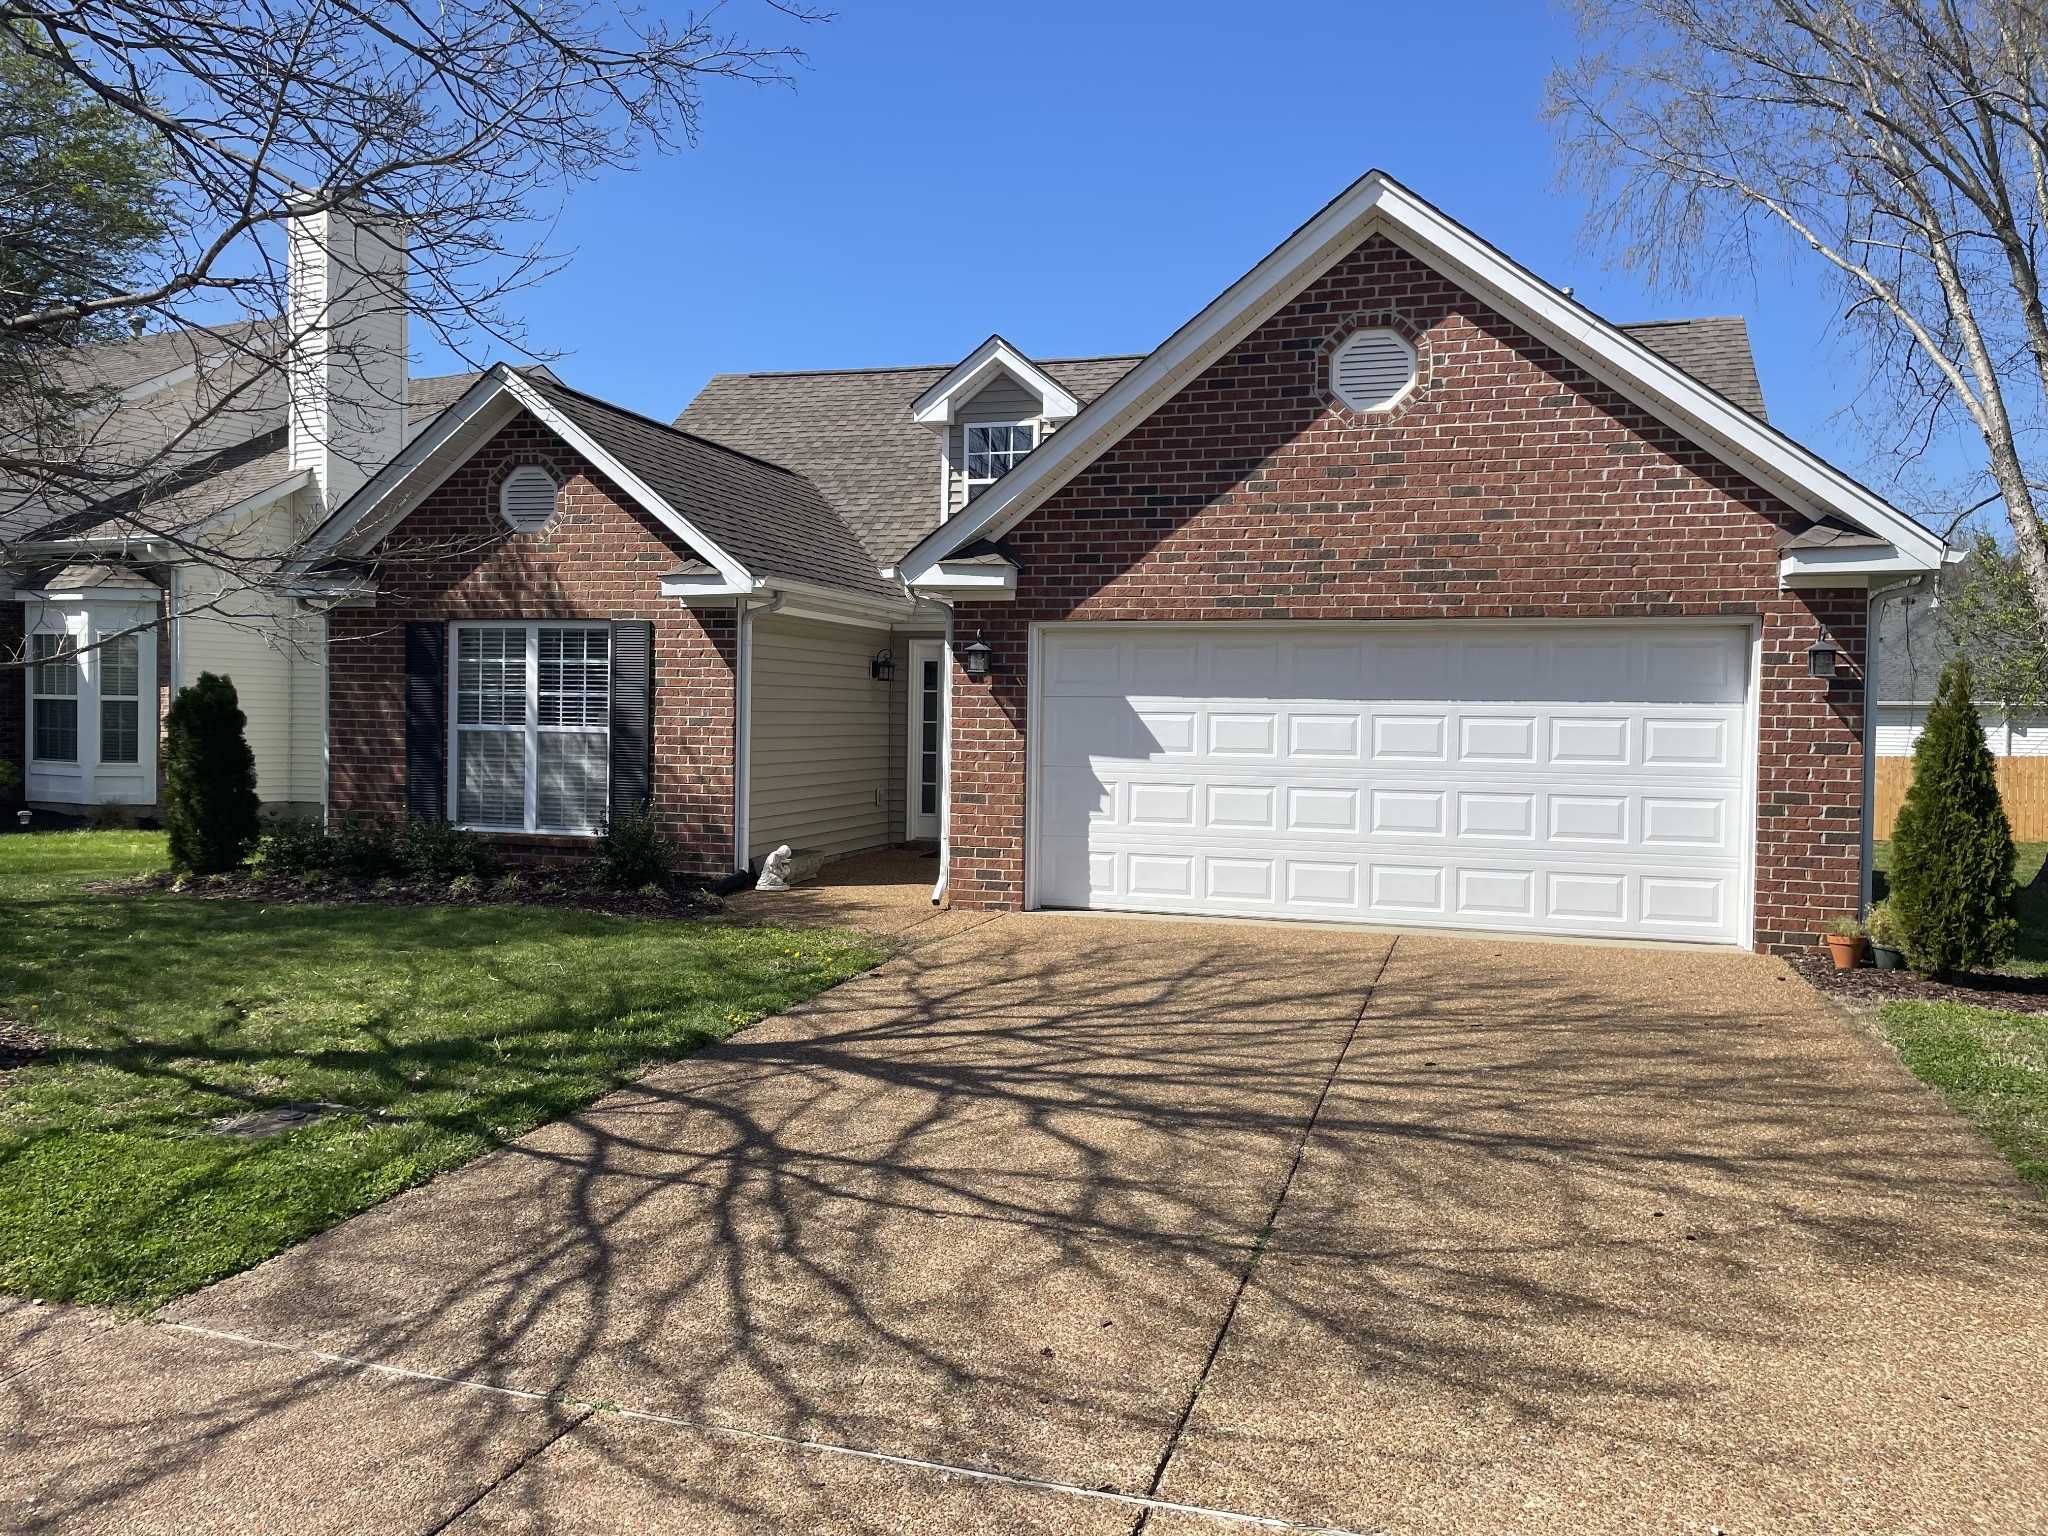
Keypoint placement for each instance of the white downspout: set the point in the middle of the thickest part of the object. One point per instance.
(1870, 701)
(945, 767)
(743, 724)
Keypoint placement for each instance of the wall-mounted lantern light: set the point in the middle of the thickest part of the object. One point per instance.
(883, 668)
(975, 657)
(1821, 657)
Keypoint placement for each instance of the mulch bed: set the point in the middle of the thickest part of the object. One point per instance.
(687, 903)
(19, 1045)
(1868, 987)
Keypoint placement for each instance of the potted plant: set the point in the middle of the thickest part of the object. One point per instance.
(1846, 941)
(1887, 941)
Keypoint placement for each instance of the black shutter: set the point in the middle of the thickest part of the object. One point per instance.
(426, 720)
(632, 716)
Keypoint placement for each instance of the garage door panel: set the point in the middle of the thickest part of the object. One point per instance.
(1620, 809)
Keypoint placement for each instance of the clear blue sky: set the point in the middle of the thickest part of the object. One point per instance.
(1083, 177)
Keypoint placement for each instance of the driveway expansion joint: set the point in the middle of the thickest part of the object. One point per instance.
(587, 1410)
(1265, 1234)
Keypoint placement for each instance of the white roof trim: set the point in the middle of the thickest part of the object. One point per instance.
(1376, 204)
(937, 406)
(455, 434)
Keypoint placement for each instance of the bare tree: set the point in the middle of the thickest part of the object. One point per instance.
(1904, 143)
(468, 120)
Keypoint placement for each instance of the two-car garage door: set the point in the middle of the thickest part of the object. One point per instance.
(1550, 779)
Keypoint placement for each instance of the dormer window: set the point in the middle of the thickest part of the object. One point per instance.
(993, 449)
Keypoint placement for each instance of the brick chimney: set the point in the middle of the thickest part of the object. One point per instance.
(347, 366)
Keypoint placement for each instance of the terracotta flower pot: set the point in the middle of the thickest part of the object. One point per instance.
(1846, 949)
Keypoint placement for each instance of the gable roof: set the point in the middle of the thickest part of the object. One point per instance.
(754, 522)
(994, 358)
(1712, 348)
(850, 431)
(1378, 205)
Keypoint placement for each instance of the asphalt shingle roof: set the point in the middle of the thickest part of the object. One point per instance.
(850, 430)
(770, 519)
(851, 433)
(1715, 350)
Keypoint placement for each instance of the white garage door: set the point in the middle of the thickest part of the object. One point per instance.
(1553, 779)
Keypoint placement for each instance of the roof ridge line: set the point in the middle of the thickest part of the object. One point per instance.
(811, 373)
(675, 431)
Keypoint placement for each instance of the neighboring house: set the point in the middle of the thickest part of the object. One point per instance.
(1393, 587)
(122, 600)
(1913, 648)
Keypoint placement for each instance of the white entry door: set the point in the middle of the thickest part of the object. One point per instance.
(1569, 779)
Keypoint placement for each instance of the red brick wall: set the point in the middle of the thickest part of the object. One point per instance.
(601, 558)
(1509, 485)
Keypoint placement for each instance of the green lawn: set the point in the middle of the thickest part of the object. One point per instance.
(440, 1030)
(1990, 1065)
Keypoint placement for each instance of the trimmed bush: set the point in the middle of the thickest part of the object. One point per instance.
(632, 854)
(436, 853)
(1952, 853)
(209, 779)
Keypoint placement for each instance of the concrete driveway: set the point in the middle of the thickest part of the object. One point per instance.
(1063, 1224)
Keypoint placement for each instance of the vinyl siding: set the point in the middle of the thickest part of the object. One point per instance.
(820, 747)
(1002, 399)
(274, 655)
(1898, 732)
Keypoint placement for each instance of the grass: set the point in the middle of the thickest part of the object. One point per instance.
(1990, 1065)
(442, 1031)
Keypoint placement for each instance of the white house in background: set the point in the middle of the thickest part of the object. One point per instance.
(1912, 648)
(120, 602)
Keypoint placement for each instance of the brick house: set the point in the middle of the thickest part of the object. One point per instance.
(1394, 587)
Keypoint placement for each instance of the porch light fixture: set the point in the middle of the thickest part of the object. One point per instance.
(24, 816)
(975, 657)
(1821, 657)
(883, 668)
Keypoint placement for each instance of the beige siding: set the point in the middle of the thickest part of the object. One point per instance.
(820, 747)
(274, 655)
(1003, 399)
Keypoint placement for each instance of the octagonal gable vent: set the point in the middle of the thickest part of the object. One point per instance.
(1371, 370)
(527, 498)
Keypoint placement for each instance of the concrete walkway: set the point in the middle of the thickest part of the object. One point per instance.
(1063, 1224)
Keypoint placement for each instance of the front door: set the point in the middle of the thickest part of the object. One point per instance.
(925, 758)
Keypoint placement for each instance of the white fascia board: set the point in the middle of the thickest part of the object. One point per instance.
(650, 501)
(706, 586)
(446, 446)
(1234, 314)
(937, 405)
(1376, 204)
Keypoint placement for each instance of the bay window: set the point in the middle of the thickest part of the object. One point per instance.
(532, 727)
(53, 693)
(121, 700)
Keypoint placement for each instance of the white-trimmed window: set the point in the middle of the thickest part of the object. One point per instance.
(121, 699)
(532, 727)
(53, 696)
(992, 449)
(527, 498)
(1372, 370)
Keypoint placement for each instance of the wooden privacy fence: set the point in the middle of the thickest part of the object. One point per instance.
(2022, 785)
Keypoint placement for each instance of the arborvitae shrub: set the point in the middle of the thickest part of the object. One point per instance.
(209, 779)
(1952, 853)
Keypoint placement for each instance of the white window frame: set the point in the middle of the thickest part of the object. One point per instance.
(533, 727)
(80, 695)
(973, 485)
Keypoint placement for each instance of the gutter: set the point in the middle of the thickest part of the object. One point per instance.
(743, 725)
(1878, 595)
